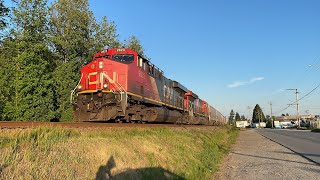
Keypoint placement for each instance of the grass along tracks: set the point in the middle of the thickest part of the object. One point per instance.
(20, 124)
(120, 153)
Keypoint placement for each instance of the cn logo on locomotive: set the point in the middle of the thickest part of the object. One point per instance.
(102, 77)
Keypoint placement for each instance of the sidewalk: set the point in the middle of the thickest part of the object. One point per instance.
(255, 157)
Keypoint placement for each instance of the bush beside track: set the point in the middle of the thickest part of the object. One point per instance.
(135, 153)
(316, 130)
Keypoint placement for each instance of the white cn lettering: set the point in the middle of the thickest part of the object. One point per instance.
(103, 75)
(89, 77)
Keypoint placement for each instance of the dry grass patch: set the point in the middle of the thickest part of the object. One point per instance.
(122, 153)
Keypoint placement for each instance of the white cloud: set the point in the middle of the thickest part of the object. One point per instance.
(243, 83)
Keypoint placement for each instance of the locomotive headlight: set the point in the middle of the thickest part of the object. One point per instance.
(105, 86)
(100, 64)
(79, 87)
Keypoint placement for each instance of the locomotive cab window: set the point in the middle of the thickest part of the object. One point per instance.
(140, 62)
(144, 66)
(106, 56)
(151, 69)
(124, 58)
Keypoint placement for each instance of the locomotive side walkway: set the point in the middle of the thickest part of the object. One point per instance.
(256, 157)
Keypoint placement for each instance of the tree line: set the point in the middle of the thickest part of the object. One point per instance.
(233, 117)
(42, 48)
(257, 117)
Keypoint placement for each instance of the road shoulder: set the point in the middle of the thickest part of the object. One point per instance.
(256, 157)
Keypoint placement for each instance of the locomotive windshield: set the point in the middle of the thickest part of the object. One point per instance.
(125, 58)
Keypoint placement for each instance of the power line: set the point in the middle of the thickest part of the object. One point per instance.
(315, 61)
(299, 99)
(308, 93)
(283, 109)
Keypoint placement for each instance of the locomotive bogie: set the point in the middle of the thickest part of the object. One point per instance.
(98, 106)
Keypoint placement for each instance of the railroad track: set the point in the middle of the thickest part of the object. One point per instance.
(23, 125)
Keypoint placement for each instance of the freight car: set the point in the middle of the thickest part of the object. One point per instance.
(121, 85)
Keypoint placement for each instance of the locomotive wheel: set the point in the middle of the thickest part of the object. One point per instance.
(142, 122)
(118, 121)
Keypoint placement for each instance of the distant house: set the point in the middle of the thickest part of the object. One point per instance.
(305, 117)
(259, 125)
(314, 124)
(242, 124)
(289, 121)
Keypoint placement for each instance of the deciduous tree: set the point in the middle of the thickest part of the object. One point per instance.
(106, 35)
(7, 75)
(31, 87)
(4, 11)
(134, 43)
(72, 26)
(76, 37)
(41, 57)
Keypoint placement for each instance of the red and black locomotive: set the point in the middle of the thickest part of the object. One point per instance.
(120, 85)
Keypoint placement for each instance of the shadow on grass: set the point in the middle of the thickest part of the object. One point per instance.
(104, 173)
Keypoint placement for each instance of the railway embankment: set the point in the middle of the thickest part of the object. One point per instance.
(113, 153)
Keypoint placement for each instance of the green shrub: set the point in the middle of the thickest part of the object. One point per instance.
(316, 130)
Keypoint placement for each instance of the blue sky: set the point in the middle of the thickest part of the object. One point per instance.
(232, 53)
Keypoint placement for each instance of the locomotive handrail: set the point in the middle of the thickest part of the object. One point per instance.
(118, 86)
(123, 94)
(116, 83)
(73, 91)
(122, 91)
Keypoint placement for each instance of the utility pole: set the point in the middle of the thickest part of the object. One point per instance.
(249, 110)
(297, 103)
(271, 115)
(260, 119)
(298, 108)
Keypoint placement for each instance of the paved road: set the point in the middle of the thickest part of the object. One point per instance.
(256, 157)
(303, 142)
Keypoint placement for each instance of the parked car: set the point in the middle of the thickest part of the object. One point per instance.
(286, 126)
